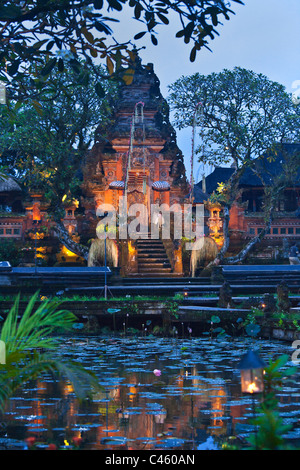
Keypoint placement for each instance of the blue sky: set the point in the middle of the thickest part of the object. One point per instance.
(263, 36)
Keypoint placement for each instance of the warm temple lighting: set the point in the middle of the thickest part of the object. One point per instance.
(252, 370)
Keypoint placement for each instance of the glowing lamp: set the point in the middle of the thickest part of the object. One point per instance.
(252, 371)
(119, 185)
(161, 186)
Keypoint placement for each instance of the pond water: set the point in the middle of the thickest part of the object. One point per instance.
(194, 403)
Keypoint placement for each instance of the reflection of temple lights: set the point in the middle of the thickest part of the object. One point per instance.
(160, 417)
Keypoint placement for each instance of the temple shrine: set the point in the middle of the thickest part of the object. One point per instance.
(138, 158)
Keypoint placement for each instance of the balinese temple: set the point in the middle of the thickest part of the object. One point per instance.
(138, 157)
(139, 153)
(155, 155)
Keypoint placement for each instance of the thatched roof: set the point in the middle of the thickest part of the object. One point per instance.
(8, 184)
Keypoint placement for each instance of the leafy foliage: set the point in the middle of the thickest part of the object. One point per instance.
(61, 128)
(37, 37)
(9, 251)
(243, 114)
(35, 327)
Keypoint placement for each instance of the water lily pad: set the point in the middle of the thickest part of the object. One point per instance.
(252, 329)
(78, 326)
(171, 442)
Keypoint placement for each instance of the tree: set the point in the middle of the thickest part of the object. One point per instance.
(36, 36)
(244, 115)
(43, 147)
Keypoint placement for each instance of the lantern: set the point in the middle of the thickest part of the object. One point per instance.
(118, 185)
(252, 370)
(161, 186)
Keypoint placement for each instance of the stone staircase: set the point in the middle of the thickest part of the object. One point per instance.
(152, 259)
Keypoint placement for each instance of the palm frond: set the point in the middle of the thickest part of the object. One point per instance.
(35, 327)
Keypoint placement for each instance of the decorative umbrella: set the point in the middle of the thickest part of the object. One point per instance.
(161, 186)
(119, 185)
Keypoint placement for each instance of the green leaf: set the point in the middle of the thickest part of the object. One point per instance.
(113, 310)
(50, 45)
(88, 35)
(110, 65)
(13, 68)
(215, 319)
(154, 40)
(99, 90)
(98, 4)
(140, 35)
(193, 54)
(115, 5)
(163, 18)
(39, 44)
(60, 65)
(137, 11)
(252, 329)
(128, 76)
(38, 107)
(48, 67)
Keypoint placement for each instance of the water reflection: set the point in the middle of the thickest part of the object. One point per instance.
(196, 396)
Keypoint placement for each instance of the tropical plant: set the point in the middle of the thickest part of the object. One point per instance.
(10, 251)
(28, 343)
(270, 426)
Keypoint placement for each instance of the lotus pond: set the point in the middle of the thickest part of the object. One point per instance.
(158, 393)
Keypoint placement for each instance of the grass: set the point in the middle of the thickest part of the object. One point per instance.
(86, 298)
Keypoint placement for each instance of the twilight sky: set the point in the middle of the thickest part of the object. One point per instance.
(263, 36)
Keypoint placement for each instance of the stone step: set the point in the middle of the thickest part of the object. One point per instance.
(165, 271)
(150, 249)
(152, 258)
(149, 240)
(154, 265)
(153, 243)
(151, 275)
(147, 255)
